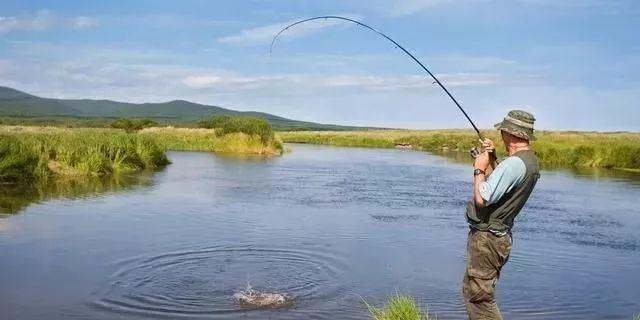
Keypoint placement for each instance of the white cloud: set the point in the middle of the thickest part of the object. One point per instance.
(264, 34)
(230, 81)
(44, 20)
(85, 22)
(201, 81)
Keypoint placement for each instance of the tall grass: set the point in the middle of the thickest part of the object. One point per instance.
(184, 139)
(17, 162)
(40, 153)
(31, 153)
(579, 149)
(399, 307)
(252, 126)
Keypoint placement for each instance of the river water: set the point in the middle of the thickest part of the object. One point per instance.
(328, 226)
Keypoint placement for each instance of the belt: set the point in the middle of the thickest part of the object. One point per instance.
(497, 233)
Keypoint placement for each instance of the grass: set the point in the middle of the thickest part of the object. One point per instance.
(578, 149)
(192, 139)
(31, 153)
(225, 124)
(39, 153)
(399, 307)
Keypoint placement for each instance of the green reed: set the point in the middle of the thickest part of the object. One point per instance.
(32, 153)
(399, 307)
(580, 149)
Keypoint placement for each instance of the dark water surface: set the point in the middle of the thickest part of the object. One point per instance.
(328, 226)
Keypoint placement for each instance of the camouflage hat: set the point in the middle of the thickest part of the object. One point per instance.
(518, 123)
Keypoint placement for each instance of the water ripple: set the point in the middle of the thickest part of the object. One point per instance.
(202, 282)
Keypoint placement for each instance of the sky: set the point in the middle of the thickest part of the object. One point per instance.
(575, 64)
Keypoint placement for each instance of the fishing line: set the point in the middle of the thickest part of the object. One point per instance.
(384, 35)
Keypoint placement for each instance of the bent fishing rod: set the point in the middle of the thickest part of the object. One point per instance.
(384, 35)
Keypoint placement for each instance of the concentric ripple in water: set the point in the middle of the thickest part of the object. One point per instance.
(203, 281)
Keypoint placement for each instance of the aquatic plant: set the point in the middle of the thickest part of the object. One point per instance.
(580, 149)
(399, 307)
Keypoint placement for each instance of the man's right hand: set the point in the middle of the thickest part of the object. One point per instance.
(488, 145)
(482, 161)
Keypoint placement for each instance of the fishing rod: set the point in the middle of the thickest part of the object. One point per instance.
(384, 35)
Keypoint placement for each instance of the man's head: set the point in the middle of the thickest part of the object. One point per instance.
(516, 128)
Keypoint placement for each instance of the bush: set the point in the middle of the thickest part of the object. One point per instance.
(213, 122)
(133, 125)
(224, 125)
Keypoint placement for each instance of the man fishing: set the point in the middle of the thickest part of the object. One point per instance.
(499, 193)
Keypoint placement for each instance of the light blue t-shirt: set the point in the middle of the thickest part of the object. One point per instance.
(507, 175)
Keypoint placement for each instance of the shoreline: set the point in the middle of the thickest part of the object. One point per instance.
(618, 151)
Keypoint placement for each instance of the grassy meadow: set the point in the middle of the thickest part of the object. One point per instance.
(562, 149)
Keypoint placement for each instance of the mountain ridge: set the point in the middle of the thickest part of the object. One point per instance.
(19, 104)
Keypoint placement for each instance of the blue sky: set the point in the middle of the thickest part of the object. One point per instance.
(574, 63)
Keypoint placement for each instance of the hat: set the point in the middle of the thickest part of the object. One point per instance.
(518, 123)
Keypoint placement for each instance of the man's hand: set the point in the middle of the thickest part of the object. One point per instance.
(482, 161)
(488, 145)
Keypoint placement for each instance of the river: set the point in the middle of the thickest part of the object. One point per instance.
(328, 226)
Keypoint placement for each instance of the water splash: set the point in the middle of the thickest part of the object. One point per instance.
(251, 298)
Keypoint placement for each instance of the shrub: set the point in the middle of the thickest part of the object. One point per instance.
(224, 125)
(133, 125)
(213, 122)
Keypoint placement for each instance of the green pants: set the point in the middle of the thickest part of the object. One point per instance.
(486, 255)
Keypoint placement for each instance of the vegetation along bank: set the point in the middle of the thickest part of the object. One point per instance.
(581, 149)
(28, 154)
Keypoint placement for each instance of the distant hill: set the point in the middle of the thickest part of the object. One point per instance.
(18, 104)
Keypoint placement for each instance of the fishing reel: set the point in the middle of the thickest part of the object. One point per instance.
(474, 152)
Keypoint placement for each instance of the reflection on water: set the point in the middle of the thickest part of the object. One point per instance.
(16, 197)
(324, 226)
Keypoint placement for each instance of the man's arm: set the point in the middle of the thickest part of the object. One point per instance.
(482, 163)
(486, 161)
(507, 175)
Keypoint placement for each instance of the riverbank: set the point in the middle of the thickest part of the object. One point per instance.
(577, 149)
(40, 153)
(32, 153)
